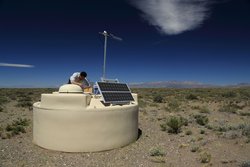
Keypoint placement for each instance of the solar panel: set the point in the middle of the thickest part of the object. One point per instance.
(115, 92)
(117, 87)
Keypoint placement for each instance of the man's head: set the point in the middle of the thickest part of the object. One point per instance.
(83, 75)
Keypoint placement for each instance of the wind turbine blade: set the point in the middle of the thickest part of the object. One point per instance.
(115, 37)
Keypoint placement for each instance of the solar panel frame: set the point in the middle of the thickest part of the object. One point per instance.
(115, 92)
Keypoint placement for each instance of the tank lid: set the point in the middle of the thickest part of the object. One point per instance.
(70, 88)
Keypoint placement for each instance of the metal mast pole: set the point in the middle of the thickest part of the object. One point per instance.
(105, 50)
(106, 35)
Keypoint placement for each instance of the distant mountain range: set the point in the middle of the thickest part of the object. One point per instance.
(159, 84)
(181, 84)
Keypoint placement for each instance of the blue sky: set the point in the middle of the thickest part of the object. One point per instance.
(163, 40)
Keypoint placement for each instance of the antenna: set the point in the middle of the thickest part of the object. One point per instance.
(106, 35)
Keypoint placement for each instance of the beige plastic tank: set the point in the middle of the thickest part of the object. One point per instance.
(73, 121)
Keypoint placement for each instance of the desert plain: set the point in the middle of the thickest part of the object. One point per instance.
(177, 128)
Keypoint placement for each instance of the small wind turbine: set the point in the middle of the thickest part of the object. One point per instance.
(106, 35)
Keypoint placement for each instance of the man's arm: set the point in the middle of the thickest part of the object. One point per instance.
(76, 83)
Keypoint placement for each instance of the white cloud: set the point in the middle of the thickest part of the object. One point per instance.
(16, 65)
(174, 16)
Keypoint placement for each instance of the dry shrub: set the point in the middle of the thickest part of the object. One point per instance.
(174, 124)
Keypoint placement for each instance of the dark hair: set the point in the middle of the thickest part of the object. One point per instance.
(83, 74)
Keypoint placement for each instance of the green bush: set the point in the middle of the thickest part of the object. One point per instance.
(174, 124)
(244, 113)
(229, 94)
(246, 131)
(202, 131)
(15, 129)
(24, 101)
(22, 122)
(194, 148)
(189, 132)
(221, 128)
(208, 126)
(25, 98)
(245, 164)
(244, 93)
(204, 110)
(24, 104)
(3, 100)
(17, 126)
(201, 119)
(142, 103)
(174, 104)
(191, 97)
(205, 157)
(158, 99)
(163, 127)
(231, 108)
(156, 151)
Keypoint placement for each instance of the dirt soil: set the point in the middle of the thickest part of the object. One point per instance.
(214, 131)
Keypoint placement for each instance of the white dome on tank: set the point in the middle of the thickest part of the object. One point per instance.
(70, 88)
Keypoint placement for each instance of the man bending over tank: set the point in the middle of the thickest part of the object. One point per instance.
(79, 78)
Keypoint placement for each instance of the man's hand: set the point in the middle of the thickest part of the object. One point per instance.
(81, 86)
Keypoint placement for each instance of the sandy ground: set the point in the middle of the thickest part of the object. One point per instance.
(224, 140)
